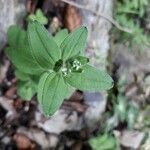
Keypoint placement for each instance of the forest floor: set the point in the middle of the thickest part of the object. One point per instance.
(22, 126)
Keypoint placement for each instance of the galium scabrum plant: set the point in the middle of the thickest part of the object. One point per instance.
(57, 61)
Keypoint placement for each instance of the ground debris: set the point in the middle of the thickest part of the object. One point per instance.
(23, 142)
(72, 18)
(131, 139)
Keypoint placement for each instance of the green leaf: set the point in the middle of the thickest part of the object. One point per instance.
(26, 85)
(39, 13)
(38, 16)
(26, 90)
(60, 36)
(13, 34)
(90, 79)
(19, 51)
(43, 48)
(26, 77)
(31, 17)
(103, 142)
(52, 90)
(74, 43)
(21, 75)
(121, 107)
(132, 114)
(23, 62)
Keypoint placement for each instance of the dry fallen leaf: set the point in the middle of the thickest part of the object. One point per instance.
(30, 6)
(3, 70)
(71, 18)
(11, 92)
(22, 142)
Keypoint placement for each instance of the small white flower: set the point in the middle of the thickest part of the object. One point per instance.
(64, 71)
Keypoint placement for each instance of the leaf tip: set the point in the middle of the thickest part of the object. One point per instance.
(111, 83)
(84, 28)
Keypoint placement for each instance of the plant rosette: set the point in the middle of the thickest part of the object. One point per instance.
(58, 62)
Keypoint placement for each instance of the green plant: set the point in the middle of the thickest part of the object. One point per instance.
(146, 145)
(130, 13)
(103, 142)
(123, 110)
(26, 85)
(38, 16)
(132, 7)
(58, 62)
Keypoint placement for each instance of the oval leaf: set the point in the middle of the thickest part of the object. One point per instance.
(19, 52)
(51, 92)
(90, 79)
(74, 43)
(26, 90)
(60, 36)
(43, 48)
(13, 34)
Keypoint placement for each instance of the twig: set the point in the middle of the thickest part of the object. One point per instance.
(108, 18)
